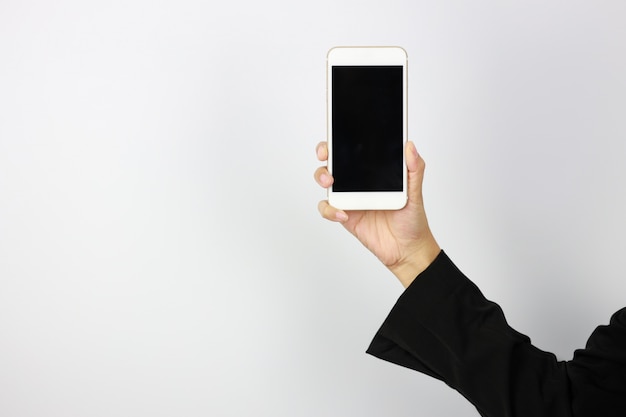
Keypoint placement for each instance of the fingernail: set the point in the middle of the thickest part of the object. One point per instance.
(341, 216)
(325, 179)
(414, 150)
(319, 152)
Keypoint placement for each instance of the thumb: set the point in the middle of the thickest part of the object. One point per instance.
(415, 165)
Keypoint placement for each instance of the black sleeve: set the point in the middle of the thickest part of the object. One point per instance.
(444, 327)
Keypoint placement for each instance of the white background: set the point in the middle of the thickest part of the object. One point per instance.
(160, 249)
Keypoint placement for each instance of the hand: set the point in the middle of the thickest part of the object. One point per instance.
(401, 239)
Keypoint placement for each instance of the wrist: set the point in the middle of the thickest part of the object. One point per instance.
(416, 261)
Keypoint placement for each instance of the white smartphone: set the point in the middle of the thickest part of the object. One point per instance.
(367, 127)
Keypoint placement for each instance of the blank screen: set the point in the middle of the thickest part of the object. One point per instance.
(367, 134)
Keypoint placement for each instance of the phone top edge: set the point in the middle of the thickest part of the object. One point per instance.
(363, 48)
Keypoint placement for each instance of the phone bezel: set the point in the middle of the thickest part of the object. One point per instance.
(367, 56)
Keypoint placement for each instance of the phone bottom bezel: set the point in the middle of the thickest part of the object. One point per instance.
(387, 200)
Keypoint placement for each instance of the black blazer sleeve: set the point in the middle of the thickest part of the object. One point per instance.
(444, 327)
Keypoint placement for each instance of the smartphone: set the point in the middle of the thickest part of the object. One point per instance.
(367, 127)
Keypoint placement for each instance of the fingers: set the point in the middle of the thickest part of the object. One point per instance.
(322, 176)
(331, 213)
(327, 211)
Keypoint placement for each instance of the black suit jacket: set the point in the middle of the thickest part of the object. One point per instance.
(443, 326)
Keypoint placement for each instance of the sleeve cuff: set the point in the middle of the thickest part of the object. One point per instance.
(417, 305)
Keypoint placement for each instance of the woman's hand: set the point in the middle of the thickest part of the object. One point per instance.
(401, 239)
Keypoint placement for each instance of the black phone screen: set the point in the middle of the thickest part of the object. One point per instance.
(367, 128)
